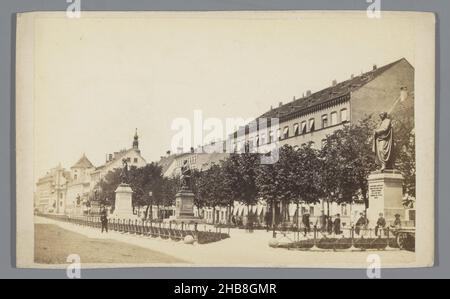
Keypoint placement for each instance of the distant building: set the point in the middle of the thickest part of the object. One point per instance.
(114, 161)
(75, 189)
(79, 187)
(50, 194)
(171, 165)
(315, 115)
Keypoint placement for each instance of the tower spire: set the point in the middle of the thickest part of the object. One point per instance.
(136, 140)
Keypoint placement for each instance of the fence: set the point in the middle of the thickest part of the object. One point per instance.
(347, 239)
(146, 228)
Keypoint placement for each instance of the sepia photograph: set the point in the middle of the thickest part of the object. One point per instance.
(301, 139)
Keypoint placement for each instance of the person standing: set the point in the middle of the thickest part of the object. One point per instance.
(381, 224)
(329, 225)
(337, 225)
(104, 220)
(306, 222)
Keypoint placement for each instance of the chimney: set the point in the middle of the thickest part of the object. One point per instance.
(293, 99)
(280, 104)
(308, 93)
(334, 83)
(271, 107)
(168, 153)
(192, 150)
(110, 157)
(374, 67)
(403, 93)
(352, 76)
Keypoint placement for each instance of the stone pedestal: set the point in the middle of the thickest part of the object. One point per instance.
(123, 208)
(184, 208)
(385, 196)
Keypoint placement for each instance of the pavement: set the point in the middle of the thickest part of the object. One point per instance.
(244, 249)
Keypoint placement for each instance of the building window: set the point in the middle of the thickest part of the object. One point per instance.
(303, 127)
(344, 115)
(128, 159)
(270, 137)
(344, 210)
(311, 125)
(75, 177)
(324, 121)
(311, 211)
(296, 129)
(257, 141)
(135, 160)
(286, 132)
(279, 134)
(334, 118)
(263, 138)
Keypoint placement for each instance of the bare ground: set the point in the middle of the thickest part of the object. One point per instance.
(53, 245)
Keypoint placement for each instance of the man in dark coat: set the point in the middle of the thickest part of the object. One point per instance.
(381, 224)
(104, 220)
(337, 225)
(329, 225)
(306, 223)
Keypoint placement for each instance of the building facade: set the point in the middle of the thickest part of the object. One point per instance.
(50, 194)
(72, 192)
(310, 119)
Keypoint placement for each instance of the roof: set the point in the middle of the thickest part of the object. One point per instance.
(83, 163)
(118, 155)
(165, 162)
(329, 94)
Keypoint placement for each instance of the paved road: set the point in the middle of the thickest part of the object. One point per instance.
(53, 245)
(243, 249)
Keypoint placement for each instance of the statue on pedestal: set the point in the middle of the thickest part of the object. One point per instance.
(124, 172)
(383, 143)
(185, 176)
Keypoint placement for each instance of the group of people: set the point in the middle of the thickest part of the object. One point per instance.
(327, 224)
(333, 226)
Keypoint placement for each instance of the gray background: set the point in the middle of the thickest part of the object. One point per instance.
(7, 128)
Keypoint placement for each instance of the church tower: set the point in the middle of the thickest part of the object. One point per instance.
(136, 141)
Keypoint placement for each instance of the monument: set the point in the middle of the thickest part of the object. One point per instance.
(385, 184)
(123, 208)
(184, 199)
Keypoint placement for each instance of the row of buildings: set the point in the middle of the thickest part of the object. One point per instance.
(68, 192)
(309, 118)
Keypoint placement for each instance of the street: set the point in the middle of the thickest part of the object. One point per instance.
(241, 249)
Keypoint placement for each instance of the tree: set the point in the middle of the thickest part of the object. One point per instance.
(142, 180)
(107, 187)
(307, 178)
(347, 160)
(406, 163)
(210, 189)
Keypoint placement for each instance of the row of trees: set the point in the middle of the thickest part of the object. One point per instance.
(336, 173)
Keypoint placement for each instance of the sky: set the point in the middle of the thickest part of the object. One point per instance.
(99, 78)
